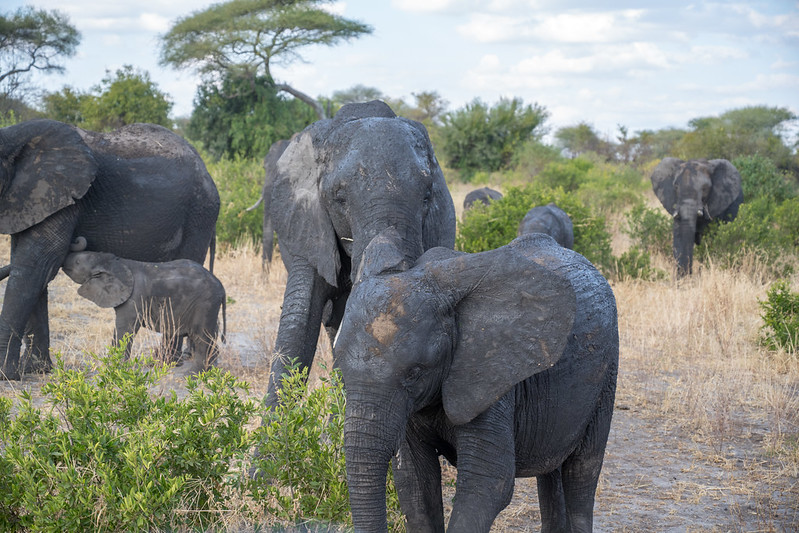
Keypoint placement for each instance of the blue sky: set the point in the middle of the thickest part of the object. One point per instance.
(643, 65)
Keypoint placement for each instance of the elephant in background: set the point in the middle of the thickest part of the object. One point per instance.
(140, 192)
(694, 193)
(270, 170)
(551, 220)
(484, 195)
(339, 183)
(504, 362)
(175, 298)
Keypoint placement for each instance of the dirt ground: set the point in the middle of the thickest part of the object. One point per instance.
(688, 450)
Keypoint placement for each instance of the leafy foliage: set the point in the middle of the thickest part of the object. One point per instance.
(240, 182)
(488, 227)
(126, 97)
(109, 456)
(650, 229)
(780, 314)
(760, 177)
(301, 463)
(242, 117)
(481, 138)
(33, 40)
(635, 264)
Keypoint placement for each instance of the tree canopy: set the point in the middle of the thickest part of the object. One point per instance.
(125, 97)
(245, 37)
(33, 40)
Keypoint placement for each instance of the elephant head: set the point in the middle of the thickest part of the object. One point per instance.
(104, 278)
(44, 167)
(342, 181)
(694, 193)
(455, 329)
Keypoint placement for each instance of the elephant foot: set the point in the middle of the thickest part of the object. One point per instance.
(37, 365)
(10, 375)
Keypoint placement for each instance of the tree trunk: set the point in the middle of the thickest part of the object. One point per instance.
(317, 107)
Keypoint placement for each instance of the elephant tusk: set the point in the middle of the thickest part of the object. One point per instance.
(348, 239)
(675, 215)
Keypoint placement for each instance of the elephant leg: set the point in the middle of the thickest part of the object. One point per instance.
(581, 470)
(486, 468)
(552, 503)
(300, 323)
(37, 339)
(36, 255)
(417, 476)
(124, 332)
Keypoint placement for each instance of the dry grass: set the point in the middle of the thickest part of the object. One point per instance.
(706, 431)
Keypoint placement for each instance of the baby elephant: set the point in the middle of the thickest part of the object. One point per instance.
(176, 298)
(551, 220)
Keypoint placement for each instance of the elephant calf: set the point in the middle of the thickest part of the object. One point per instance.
(550, 220)
(175, 298)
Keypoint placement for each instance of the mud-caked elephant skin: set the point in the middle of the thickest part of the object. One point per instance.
(339, 183)
(140, 192)
(483, 195)
(694, 193)
(504, 362)
(550, 220)
(177, 298)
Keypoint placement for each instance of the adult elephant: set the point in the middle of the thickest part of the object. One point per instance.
(504, 362)
(483, 195)
(550, 220)
(695, 192)
(140, 192)
(340, 182)
(270, 171)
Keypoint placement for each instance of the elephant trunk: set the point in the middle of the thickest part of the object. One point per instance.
(684, 238)
(410, 243)
(373, 428)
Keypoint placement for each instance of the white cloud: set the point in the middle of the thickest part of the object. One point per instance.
(424, 6)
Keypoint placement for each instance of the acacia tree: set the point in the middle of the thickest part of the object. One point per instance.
(33, 40)
(247, 36)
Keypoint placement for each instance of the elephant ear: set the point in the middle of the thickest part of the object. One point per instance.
(726, 189)
(46, 167)
(439, 224)
(303, 227)
(111, 284)
(514, 316)
(663, 182)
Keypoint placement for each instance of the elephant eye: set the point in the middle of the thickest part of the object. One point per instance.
(413, 374)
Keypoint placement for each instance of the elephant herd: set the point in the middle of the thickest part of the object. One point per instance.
(504, 362)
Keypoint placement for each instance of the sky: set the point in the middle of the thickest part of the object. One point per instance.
(644, 65)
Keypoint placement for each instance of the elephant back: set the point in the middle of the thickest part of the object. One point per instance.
(46, 166)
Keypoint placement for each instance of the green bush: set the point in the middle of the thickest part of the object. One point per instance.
(301, 456)
(649, 229)
(760, 177)
(240, 183)
(755, 230)
(488, 227)
(636, 264)
(108, 456)
(780, 314)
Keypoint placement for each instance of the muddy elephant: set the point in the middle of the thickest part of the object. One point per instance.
(694, 193)
(176, 298)
(550, 220)
(483, 195)
(339, 183)
(504, 362)
(140, 192)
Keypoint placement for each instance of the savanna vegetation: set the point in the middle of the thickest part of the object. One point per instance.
(709, 363)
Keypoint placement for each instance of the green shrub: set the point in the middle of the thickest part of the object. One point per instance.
(107, 456)
(636, 264)
(780, 314)
(240, 183)
(649, 229)
(301, 456)
(760, 177)
(488, 227)
(754, 230)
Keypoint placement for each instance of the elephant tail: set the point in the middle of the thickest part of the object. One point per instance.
(224, 320)
(212, 253)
